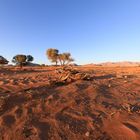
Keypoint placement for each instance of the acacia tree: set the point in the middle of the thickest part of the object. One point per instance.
(65, 58)
(19, 60)
(22, 59)
(52, 55)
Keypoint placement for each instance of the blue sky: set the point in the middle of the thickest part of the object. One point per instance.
(92, 30)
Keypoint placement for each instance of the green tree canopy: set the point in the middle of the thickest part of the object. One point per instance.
(29, 58)
(21, 59)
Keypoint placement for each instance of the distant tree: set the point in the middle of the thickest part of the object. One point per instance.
(52, 55)
(65, 58)
(29, 58)
(20, 60)
(3, 60)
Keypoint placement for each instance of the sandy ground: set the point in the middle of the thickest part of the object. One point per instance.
(107, 107)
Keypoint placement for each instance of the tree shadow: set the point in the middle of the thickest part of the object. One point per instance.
(108, 76)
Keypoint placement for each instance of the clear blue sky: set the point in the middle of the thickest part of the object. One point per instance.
(92, 30)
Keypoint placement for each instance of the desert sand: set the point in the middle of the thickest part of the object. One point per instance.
(104, 107)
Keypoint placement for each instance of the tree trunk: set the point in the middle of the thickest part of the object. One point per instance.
(63, 62)
(21, 65)
(68, 63)
(56, 63)
(60, 61)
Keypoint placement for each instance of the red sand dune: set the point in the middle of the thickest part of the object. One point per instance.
(104, 108)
